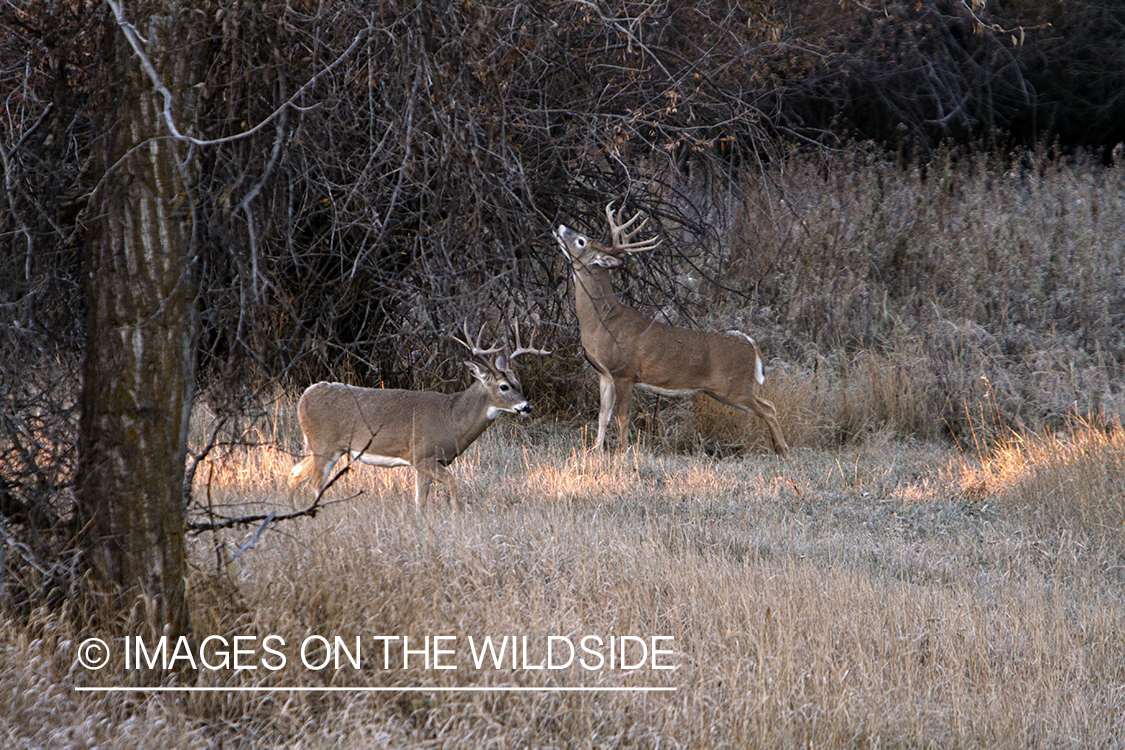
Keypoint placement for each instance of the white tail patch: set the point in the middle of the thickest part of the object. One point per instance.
(759, 368)
(736, 332)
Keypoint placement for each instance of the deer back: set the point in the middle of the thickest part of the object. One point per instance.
(387, 422)
(406, 425)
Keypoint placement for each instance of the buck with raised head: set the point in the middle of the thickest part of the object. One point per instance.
(628, 349)
(389, 427)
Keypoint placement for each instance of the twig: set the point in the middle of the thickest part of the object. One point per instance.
(254, 539)
(135, 41)
(196, 528)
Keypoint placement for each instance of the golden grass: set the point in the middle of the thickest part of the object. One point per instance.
(890, 594)
(1070, 482)
(877, 588)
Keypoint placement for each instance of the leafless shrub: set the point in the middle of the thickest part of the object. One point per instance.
(431, 146)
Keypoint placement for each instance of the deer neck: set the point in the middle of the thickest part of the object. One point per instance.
(594, 298)
(471, 414)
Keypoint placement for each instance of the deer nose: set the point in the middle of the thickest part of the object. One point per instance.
(524, 408)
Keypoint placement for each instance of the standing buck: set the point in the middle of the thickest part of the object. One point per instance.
(631, 350)
(389, 427)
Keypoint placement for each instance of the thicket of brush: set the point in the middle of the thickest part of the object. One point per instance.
(939, 563)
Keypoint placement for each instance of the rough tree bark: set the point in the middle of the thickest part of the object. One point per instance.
(141, 321)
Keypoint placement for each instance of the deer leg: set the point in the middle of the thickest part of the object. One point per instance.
(766, 411)
(424, 474)
(421, 489)
(328, 465)
(624, 389)
(748, 402)
(608, 400)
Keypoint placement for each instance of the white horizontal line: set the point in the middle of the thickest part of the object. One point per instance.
(407, 689)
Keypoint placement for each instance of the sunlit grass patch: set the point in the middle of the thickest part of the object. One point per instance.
(872, 595)
(1073, 480)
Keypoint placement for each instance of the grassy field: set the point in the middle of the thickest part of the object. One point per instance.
(940, 562)
(890, 594)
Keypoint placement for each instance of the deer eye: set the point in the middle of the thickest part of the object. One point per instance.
(504, 387)
(581, 242)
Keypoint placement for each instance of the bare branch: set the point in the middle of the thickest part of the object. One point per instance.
(136, 41)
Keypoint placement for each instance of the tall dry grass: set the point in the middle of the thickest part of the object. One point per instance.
(1070, 483)
(896, 297)
(879, 595)
(938, 564)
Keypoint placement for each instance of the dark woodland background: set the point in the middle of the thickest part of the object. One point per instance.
(379, 173)
(432, 146)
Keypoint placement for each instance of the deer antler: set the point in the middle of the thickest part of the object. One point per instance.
(520, 348)
(475, 347)
(622, 236)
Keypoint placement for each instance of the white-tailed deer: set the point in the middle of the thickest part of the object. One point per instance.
(628, 349)
(423, 429)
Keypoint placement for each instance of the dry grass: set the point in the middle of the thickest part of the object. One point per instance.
(869, 275)
(1071, 483)
(890, 594)
(938, 564)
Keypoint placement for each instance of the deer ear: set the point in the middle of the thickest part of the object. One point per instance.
(479, 372)
(607, 261)
(501, 363)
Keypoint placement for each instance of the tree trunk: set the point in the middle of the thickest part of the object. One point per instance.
(141, 324)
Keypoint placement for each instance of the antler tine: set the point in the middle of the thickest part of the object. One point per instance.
(622, 236)
(520, 348)
(474, 347)
(618, 228)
